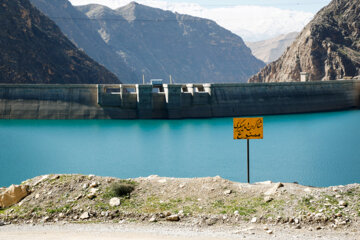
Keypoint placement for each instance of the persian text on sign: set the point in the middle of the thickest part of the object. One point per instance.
(248, 128)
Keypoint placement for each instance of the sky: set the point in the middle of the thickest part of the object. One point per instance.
(253, 20)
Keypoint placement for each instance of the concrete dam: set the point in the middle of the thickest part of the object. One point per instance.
(174, 101)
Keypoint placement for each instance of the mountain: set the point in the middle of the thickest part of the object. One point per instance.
(271, 49)
(159, 43)
(34, 50)
(83, 33)
(328, 48)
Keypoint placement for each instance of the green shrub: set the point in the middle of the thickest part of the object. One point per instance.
(121, 189)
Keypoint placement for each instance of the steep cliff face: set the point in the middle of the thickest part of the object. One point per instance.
(328, 48)
(83, 33)
(160, 43)
(34, 50)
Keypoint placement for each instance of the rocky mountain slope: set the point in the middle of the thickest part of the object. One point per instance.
(157, 43)
(34, 50)
(328, 48)
(83, 33)
(271, 49)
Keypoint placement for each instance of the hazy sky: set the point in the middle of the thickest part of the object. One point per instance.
(298, 5)
(253, 20)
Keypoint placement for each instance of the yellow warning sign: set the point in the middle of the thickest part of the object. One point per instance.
(248, 128)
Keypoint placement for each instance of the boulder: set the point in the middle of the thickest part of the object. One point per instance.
(94, 184)
(273, 189)
(173, 218)
(152, 219)
(227, 192)
(93, 190)
(268, 199)
(114, 202)
(85, 215)
(91, 196)
(343, 203)
(211, 221)
(13, 195)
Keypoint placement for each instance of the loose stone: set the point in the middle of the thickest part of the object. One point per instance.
(342, 203)
(91, 196)
(338, 214)
(152, 219)
(173, 218)
(114, 202)
(273, 189)
(93, 190)
(227, 192)
(268, 199)
(94, 184)
(85, 215)
(211, 221)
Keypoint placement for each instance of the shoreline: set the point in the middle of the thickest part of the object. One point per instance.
(210, 201)
(74, 206)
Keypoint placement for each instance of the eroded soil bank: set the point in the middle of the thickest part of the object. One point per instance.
(211, 203)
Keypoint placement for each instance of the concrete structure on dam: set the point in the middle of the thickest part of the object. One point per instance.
(174, 101)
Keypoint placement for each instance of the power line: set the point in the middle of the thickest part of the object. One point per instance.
(125, 20)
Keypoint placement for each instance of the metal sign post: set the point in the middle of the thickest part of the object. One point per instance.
(248, 128)
(248, 161)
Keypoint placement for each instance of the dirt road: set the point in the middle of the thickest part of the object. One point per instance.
(132, 231)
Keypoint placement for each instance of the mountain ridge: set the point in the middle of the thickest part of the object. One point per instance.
(164, 43)
(328, 48)
(82, 32)
(34, 50)
(270, 50)
(157, 43)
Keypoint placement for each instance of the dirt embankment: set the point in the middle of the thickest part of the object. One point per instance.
(211, 201)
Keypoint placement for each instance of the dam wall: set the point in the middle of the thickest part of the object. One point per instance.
(174, 101)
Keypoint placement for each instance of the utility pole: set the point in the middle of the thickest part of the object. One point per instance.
(170, 79)
(143, 79)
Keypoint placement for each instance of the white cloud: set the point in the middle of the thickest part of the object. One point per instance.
(252, 23)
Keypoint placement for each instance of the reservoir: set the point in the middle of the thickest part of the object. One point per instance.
(320, 149)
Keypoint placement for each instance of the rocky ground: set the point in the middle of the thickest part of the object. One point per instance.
(210, 202)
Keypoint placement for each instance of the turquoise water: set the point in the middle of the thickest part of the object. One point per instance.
(320, 149)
